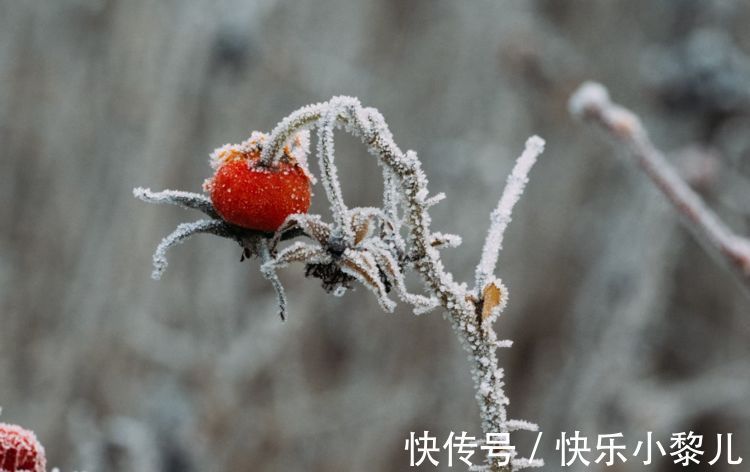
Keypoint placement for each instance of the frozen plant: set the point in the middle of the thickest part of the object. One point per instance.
(376, 246)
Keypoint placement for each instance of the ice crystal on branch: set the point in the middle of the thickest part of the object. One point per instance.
(375, 247)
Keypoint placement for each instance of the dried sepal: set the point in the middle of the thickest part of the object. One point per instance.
(362, 231)
(311, 226)
(268, 270)
(242, 151)
(375, 224)
(366, 222)
(389, 266)
(362, 227)
(362, 266)
(180, 234)
(191, 200)
(299, 252)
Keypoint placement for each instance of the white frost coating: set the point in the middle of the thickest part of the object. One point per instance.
(502, 215)
(191, 200)
(391, 197)
(435, 199)
(328, 171)
(183, 231)
(221, 154)
(298, 252)
(363, 267)
(524, 463)
(521, 425)
(311, 225)
(376, 246)
(300, 149)
(269, 272)
(445, 240)
(388, 264)
(286, 128)
(488, 321)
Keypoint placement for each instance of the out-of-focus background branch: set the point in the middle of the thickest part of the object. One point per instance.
(591, 102)
(621, 321)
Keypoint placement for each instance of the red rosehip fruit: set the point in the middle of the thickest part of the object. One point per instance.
(20, 451)
(253, 196)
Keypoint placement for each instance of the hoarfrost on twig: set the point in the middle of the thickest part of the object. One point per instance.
(521, 425)
(329, 173)
(363, 267)
(367, 244)
(501, 216)
(269, 272)
(445, 240)
(183, 231)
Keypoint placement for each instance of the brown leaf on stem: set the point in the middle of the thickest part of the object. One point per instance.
(492, 296)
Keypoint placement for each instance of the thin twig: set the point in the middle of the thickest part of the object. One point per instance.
(591, 102)
(501, 216)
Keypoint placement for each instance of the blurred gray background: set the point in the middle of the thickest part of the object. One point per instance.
(621, 321)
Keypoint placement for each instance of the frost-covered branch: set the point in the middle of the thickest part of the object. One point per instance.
(592, 102)
(501, 216)
(184, 231)
(269, 272)
(376, 247)
(191, 200)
